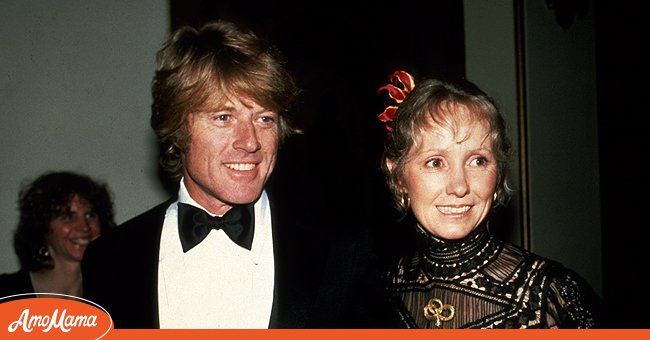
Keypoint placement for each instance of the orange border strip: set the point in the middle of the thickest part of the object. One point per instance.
(380, 334)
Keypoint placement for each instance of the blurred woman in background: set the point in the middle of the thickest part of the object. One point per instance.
(60, 214)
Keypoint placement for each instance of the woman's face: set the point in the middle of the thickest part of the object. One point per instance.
(71, 232)
(451, 177)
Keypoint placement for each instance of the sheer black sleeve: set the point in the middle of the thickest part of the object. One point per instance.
(571, 301)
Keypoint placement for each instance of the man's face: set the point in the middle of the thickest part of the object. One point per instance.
(230, 155)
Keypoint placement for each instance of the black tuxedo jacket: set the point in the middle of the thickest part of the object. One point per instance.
(325, 275)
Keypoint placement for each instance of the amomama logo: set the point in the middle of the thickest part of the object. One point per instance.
(52, 316)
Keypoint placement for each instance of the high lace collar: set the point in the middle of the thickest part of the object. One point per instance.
(474, 249)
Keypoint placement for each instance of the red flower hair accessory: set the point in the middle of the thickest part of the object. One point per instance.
(398, 94)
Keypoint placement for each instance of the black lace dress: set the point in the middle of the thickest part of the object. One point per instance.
(482, 282)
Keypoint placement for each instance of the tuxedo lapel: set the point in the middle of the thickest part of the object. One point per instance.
(289, 300)
(299, 259)
(120, 270)
(143, 269)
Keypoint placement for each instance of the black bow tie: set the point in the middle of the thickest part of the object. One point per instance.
(194, 224)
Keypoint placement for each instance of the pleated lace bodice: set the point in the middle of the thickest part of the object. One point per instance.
(482, 282)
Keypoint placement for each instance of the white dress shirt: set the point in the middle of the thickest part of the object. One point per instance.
(216, 284)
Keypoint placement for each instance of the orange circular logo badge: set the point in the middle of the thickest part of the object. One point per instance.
(52, 316)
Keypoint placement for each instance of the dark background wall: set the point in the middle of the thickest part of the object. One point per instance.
(622, 70)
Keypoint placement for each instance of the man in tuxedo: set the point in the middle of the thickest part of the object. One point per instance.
(227, 251)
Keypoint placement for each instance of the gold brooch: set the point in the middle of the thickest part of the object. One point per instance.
(438, 311)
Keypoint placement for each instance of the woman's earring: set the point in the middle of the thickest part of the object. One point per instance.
(405, 201)
(495, 196)
(42, 251)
